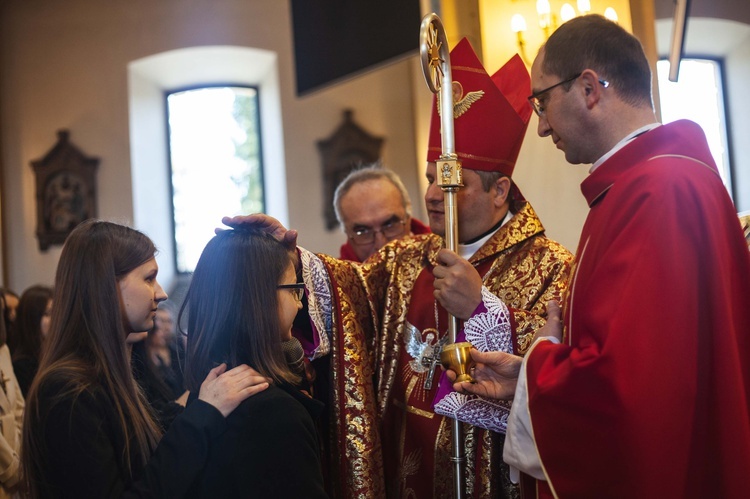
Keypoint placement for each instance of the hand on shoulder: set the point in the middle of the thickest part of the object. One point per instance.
(225, 390)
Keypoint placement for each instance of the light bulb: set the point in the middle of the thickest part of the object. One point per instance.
(542, 7)
(584, 6)
(517, 23)
(567, 12)
(610, 14)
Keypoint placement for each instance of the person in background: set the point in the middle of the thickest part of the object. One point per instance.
(11, 303)
(745, 224)
(241, 305)
(32, 327)
(647, 392)
(11, 418)
(9, 316)
(373, 207)
(165, 351)
(88, 432)
(157, 367)
(162, 384)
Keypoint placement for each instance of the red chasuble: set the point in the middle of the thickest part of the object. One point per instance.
(650, 395)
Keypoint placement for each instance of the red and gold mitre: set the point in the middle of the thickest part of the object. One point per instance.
(490, 115)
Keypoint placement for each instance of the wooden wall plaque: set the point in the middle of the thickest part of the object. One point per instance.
(65, 191)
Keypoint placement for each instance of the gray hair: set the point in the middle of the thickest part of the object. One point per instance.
(373, 171)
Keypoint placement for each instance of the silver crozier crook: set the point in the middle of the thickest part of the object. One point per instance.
(436, 65)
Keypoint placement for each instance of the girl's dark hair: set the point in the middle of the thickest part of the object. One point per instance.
(232, 306)
(86, 349)
(26, 340)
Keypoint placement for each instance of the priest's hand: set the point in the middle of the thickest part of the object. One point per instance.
(495, 375)
(458, 285)
(265, 223)
(553, 328)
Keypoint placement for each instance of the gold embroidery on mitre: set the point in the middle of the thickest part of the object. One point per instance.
(461, 102)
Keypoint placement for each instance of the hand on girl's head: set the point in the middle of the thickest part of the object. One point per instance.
(225, 390)
(265, 223)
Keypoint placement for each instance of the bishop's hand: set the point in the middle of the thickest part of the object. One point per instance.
(265, 223)
(458, 285)
(495, 375)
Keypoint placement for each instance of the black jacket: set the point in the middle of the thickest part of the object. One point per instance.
(270, 449)
(83, 449)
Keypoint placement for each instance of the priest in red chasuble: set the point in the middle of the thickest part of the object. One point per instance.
(377, 322)
(648, 393)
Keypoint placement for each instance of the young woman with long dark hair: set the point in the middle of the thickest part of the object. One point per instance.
(241, 304)
(88, 431)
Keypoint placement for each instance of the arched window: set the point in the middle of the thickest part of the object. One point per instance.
(153, 77)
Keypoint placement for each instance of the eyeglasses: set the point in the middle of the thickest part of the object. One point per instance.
(390, 230)
(297, 289)
(536, 102)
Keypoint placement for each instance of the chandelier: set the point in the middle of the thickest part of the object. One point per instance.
(549, 20)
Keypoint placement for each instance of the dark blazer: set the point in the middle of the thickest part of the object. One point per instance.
(25, 369)
(270, 449)
(83, 448)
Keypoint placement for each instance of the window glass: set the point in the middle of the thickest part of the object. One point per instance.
(698, 96)
(215, 159)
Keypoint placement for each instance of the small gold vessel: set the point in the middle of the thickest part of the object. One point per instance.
(457, 358)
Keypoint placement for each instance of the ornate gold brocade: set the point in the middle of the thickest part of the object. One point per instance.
(358, 468)
(371, 301)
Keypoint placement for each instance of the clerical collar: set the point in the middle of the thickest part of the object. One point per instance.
(623, 143)
(468, 249)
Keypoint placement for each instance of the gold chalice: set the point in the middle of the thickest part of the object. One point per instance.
(457, 358)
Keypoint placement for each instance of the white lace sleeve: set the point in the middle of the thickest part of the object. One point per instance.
(488, 330)
(320, 304)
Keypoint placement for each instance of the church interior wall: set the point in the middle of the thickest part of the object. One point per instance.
(63, 65)
(738, 74)
(729, 41)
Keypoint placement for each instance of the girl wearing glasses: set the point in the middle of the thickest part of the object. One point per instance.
(241, 304)
(88, 431)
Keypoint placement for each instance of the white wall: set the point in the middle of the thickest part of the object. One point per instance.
(550, 183)
(64, 65)
(149, 79)
(730, 41)
(738, 75)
